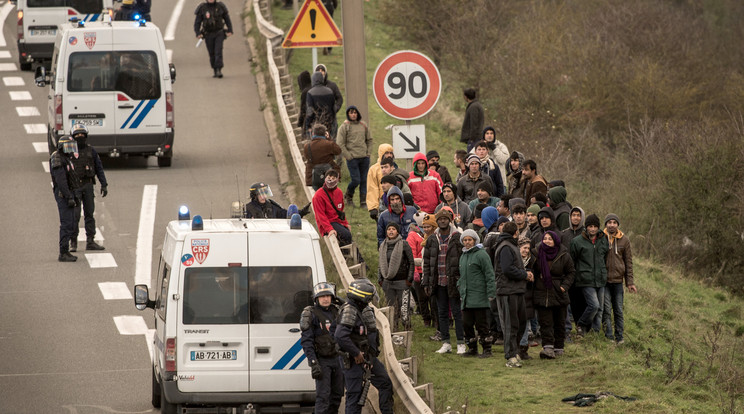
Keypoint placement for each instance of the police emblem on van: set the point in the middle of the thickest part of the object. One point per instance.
(200, 248)
(90, 39)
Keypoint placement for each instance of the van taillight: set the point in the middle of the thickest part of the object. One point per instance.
(169, 116)
(20, 24)
(58, 121)
(170, 354)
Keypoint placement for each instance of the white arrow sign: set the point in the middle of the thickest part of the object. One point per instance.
(408, 140)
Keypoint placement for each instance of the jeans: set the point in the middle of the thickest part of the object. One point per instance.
(343, 234)
(444, 304)
(358, 169)
(592, 316)
(613, 303)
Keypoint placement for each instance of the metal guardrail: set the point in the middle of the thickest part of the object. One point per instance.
(404, 387)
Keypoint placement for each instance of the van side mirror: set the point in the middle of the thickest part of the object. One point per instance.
(142, 298)
(40, 76)
(172, 68)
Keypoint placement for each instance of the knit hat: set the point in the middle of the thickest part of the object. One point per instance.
(501, 220)
(556, 183)
(612, 216)
(390, 179)
(430, 219)
(445, 212)
(393, 224)
(469, 233)
(471, 158)
(592, 220)
(514, 201)
(485, 186)
(534, 209)
(523, 240)
(419, 218)
(451, 186)
(431, 154)
(489, 216)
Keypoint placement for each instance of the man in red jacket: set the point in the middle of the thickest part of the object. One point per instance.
(328, 203)
(425, 184)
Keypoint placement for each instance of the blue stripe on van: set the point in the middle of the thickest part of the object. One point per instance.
(288, 356)
(95, 17)
(143, 114)
(132, 115)
(302, 358)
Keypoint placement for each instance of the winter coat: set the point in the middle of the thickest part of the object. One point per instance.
(561, 274)
(514, 178)
(463, 214)
(490, 168)
(538, 184)
(353, 137)
(568, 235)
(477, 282)
(619, 260)
(466, 186)
(561, 207)
(452, 262)
(498, 152)
(320, 102)
(405, 270)
(338, 98)
(472, 125)
(304, 83)
(425, 189)
(374, 189)
(322, 151)
(589, 260)
(511, 277)
(404, 219)
(416, 241)
(491, 202)
(325, 214)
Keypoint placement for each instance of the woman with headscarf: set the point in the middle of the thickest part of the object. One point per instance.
(554, 273)
(395, 268)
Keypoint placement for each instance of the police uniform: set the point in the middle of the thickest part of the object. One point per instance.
(143, 8)
(357, 332)
(269, 209)
(318, 326)
(88, 166)
(125, 13)
(210, 22)
(65, 182)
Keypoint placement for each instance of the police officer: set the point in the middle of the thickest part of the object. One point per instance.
(318, 324)
(357, 338)
(64, 183)
(210, 22)
(143, 9)
(88, 166)
(261, 206)
(126, 11)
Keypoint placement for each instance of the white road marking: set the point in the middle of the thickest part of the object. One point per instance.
(13, 81)
(19, 95)
(27, 111)
(170, 30)
(8, 67)
(98, 260)
(4, 12)
(4, 54)
(130, 325)
(45, 165)
(41, 146)
(114, 290)
(35, 128)
(143, 266)
(149, 338)
(82, 237)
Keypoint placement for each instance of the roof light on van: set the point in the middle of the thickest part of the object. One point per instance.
(295, 223)
(81, 23)
(74, 19)
(292, 210)
(197, 223)
(137, 17)
(183, 213)
(143, 23)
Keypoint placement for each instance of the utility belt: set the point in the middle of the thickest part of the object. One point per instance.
(88, 180)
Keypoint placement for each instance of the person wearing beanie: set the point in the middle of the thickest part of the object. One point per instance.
(547, 222)
(589, 254)
(356, 146)
(433, 158)
(489, 167)
(513, 168)
(491, 222)
(476, 286)
(619, 269)
(396, 268)
(328, 204)
(467, 184)
(528, 260)
(561, 207)
(497, 151)
(532, 221)
(577, 306)
(425, 184)
(441, 267)
(484, 195)
(397, 212)
(463, 214)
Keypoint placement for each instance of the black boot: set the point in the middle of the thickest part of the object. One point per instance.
(472, 349)
(73, 244)
(92, 245)
(66, 257)
(486, 345)
(215, 73)
(218, 72)
(523, 352)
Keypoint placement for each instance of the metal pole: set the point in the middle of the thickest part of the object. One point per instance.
(315, 58)
(355, 63)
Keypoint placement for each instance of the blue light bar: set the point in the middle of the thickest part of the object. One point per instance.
(295, 223)
(197, 223)
(292, 210)
(183, 213)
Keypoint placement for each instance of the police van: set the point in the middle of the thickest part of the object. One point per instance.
(38, 22)
(227, 307)
(114, 78)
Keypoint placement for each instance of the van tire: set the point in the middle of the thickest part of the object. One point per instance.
(165, 161)
(165, 406)
(156, 393)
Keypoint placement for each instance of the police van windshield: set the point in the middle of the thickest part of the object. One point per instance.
(82, 6)
(134, 73)
(239, 295)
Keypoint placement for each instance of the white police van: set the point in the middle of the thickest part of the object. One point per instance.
(227, 307)
(38, 21)
(114, 78)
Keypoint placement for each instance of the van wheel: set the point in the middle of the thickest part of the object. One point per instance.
(156, 394)
(165, 406)
(164, 161)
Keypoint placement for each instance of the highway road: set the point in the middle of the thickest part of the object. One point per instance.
(71, 340)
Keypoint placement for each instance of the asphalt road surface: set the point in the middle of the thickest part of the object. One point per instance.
(71, 340)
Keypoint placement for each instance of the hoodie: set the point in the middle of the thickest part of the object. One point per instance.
(353, 137)
(498, 152)
(320, 103)
(404, 219)
(561, 207)
(304, 83)
(425, 187)
(337, 97)
(537, 235)
(619, 259)
(514, 178)
(374, 189)
(573, 231)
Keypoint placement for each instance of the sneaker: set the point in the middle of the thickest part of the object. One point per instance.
(73, 244)
(620, 342)
(436, 337)
(558, 352)
(363, 205)
(91, 245)
(580, 331)
(462, 349)
(547, 353)
(445, 349)
(66, 257)
(513, 362)
(499, 341)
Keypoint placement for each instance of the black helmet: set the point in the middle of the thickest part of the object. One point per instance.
(67, 145)
(260, 189)
(361, 290)
(79, 129)
(324, 289)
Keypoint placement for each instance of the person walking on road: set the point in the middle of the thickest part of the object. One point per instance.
(213, 24)
(64, 183)
(88, 166)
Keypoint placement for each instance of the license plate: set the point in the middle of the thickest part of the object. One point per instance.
(88, 122)
(229, 355)
(43, 32)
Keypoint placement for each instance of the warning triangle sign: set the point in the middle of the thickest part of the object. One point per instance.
(313, 27)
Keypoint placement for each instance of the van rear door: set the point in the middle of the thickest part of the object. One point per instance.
(212, 351)
(281, 267)
(42, 17)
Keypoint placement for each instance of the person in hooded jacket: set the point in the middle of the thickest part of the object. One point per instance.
(304, 83)
(513, 168)
(477, 284)
(433, 158)
(319, 152)
(554, 273)
(356, 145)
(497, 151)
(328, 204)
(589, 254)
(374, 189)
(338, 98)
(425, 184)
(577, 305)
(489, 167)
(395, 269)
(561, 207)
(619, 270)
(320, 105)
(397, 213)
(546, 219)
(463, 215)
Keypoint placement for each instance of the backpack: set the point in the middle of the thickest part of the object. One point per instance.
(319, 170)
(214, 21)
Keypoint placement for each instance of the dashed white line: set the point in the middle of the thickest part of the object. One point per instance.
(35, 128)
(8, 67)
(27, 111)
(45, 165)
(13, 81)
(130, 325)
(4, 54)
(19, 95)
(98, 260)
(144, 235)
(41, 146)
(114, 290)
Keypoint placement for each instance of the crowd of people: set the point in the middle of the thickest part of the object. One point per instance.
(494, 249)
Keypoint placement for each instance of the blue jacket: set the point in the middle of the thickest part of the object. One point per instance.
(404, 219)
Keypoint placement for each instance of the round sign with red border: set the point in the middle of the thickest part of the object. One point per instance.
(407, 85)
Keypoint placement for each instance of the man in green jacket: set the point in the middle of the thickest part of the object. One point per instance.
(589, 252)
(356, 144)
(477, 285)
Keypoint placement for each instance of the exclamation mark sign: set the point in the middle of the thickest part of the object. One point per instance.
(313, 12)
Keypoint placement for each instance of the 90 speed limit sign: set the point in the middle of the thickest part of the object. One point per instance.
(407, 85)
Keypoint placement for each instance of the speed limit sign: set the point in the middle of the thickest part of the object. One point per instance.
(407, 85)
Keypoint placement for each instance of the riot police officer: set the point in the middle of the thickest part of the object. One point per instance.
(126, 11)
(318, 324)
(88, 166)
(64, 183)
(261, 206)
(213, 24)
(143, 8)
(358, 340)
